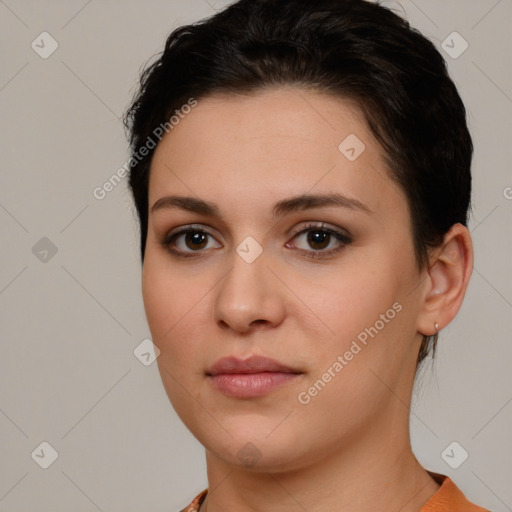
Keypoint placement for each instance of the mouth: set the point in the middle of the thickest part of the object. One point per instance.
(250, 378)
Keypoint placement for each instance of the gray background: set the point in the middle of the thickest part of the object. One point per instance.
(70, 321)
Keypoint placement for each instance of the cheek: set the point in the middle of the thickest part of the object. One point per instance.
(365, 309)
(166, 302)
(177, 313)
(352, 298)
(160, 302)
(176, 318)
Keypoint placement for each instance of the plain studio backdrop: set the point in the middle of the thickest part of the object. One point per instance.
(72, 373)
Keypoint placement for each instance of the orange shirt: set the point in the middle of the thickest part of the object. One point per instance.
(447, 499)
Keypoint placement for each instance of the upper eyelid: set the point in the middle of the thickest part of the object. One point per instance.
(320, 225)
(191, 227)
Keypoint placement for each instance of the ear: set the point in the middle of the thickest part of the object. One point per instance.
(447, 279)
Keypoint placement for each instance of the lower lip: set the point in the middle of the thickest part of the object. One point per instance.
(250, 385)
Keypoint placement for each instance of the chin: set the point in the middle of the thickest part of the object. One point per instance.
(254, 449)
(260, 457)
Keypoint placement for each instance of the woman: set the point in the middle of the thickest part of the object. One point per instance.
(301, 172)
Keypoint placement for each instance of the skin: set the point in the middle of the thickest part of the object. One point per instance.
(348, 448)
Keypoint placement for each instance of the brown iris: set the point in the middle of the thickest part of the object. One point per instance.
(318, 237)
(196, 240)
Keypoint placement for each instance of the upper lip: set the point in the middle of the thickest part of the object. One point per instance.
(253, 364)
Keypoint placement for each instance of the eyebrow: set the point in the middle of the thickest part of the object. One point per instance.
(285, 206)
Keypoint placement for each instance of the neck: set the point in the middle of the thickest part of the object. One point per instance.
(377, 471)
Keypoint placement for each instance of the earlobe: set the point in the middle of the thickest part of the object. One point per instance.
(447, 280)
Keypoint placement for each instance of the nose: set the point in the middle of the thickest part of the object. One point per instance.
(249, 297)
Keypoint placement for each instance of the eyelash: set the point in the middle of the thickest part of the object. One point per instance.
(343, 238)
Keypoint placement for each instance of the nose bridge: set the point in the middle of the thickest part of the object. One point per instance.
(249, 291)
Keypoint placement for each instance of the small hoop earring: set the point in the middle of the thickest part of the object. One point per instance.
(436, 325)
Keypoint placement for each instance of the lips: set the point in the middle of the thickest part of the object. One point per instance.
(254, 364)
(250, 378)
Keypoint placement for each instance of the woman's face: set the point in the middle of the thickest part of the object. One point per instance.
(299, 250)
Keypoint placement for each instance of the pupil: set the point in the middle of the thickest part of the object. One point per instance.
(319, 238)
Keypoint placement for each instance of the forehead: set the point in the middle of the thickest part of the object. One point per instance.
(267, 142)
(286, 113)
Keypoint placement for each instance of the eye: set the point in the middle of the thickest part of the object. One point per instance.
(317, 241)
(188, 241)
(318, 237)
